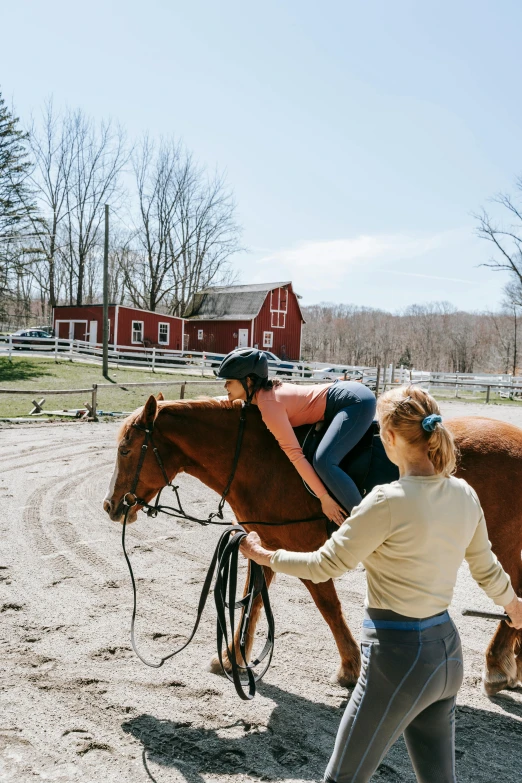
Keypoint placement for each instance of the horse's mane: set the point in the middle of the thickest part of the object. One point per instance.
(171, 406)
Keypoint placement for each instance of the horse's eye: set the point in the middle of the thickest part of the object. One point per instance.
(124, 453)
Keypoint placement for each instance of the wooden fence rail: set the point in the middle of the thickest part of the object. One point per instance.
(93, 390)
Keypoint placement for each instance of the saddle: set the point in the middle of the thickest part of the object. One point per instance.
(366, 464)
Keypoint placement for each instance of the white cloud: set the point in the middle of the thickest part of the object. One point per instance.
(322, 265)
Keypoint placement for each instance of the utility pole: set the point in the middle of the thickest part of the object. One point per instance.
(515, 357)
(106, 297)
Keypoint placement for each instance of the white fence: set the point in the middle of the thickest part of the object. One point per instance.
(154, 359)
(159, 359)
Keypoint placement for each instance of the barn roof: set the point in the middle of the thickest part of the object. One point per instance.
(230, 302)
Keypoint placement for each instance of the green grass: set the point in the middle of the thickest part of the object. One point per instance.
(477, 397)
(42, 373)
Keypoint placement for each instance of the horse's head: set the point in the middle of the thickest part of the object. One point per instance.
(130, 443)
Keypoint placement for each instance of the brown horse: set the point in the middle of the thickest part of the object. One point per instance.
(199, 438)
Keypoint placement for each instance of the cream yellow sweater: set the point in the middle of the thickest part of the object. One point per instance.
(411, 536)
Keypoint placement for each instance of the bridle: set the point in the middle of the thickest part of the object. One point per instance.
(224, 564)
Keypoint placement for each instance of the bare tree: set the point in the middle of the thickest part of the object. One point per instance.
(98, 158)
(186, 231)
(53, 150)
(206, 234)
(506, 239)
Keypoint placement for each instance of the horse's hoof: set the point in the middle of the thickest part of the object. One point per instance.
(346, 676)
(215, 667)
(495, 681)
(519, 668)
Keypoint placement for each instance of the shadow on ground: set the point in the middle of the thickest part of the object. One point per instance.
(298, 739)
(21, 370)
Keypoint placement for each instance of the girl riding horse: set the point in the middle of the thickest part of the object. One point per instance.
(347, 408)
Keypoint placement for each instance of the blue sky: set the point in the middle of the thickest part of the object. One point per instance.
(358, 137)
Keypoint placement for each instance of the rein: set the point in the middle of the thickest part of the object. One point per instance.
(224, 564)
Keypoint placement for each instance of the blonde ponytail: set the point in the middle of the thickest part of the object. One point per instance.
(415, 415)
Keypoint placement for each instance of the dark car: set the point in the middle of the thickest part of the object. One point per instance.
(26, 338)
(275, 364)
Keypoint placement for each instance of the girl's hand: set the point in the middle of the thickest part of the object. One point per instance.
(514, 610)
(252, 548)
(332, 509)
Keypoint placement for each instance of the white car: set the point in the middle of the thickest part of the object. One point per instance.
(340, 373)
(333, 373)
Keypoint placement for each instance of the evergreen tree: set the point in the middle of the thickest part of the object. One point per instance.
(16, 200)
(17, 214)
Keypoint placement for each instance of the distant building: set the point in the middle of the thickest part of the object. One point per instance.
(265, 315)
(128, 326)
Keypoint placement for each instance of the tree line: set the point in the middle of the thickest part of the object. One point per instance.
(173, 222)
(433, 336)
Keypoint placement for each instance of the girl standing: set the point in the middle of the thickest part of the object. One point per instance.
(411, 536)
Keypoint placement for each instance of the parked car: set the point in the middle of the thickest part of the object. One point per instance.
(348, 373)
(282, 367)
(274, 363)
(28, 338)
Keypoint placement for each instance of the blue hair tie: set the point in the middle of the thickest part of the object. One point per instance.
(430, 422)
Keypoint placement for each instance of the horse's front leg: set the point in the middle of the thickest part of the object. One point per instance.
(215, 666)
(501, 666)
(327, 601)
(504, 655)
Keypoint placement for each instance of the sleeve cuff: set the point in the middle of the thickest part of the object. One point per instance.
(506, 597)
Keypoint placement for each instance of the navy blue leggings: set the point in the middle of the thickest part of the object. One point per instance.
(350, 409)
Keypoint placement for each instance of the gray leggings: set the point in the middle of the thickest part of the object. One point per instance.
(408, 684)
(350, 408)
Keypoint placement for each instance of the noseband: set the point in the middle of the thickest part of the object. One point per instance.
(224, 564)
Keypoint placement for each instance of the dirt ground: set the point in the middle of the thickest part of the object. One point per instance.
(77, 705)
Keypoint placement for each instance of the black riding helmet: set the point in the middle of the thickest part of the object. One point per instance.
(241, 364)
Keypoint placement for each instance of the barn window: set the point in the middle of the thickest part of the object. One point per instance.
(278, 308)
(200, 334)
(164, 334)
(137, 332)
(268, 339)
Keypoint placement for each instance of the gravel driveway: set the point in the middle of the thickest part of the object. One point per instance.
(77, 705)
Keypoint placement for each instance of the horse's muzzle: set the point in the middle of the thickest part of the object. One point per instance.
(116, 512)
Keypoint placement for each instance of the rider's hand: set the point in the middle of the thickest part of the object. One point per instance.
(332, 509)
(514, 610)
(252, 548)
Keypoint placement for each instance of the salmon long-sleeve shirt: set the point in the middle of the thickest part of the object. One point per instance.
(411, 536)
(288, 406)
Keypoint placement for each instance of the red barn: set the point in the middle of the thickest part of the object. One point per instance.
(266, 315)
(128, 326)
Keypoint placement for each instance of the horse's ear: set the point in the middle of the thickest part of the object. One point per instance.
(159, 396)
(148, 414)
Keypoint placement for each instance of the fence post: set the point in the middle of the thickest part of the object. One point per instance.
(203, 365)
(377, 381)
(10, 348)
(488, 388)
(456, 384)
(153, 358)
(71, 346)
(94, 401)
(182, 390)
(56, 349)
